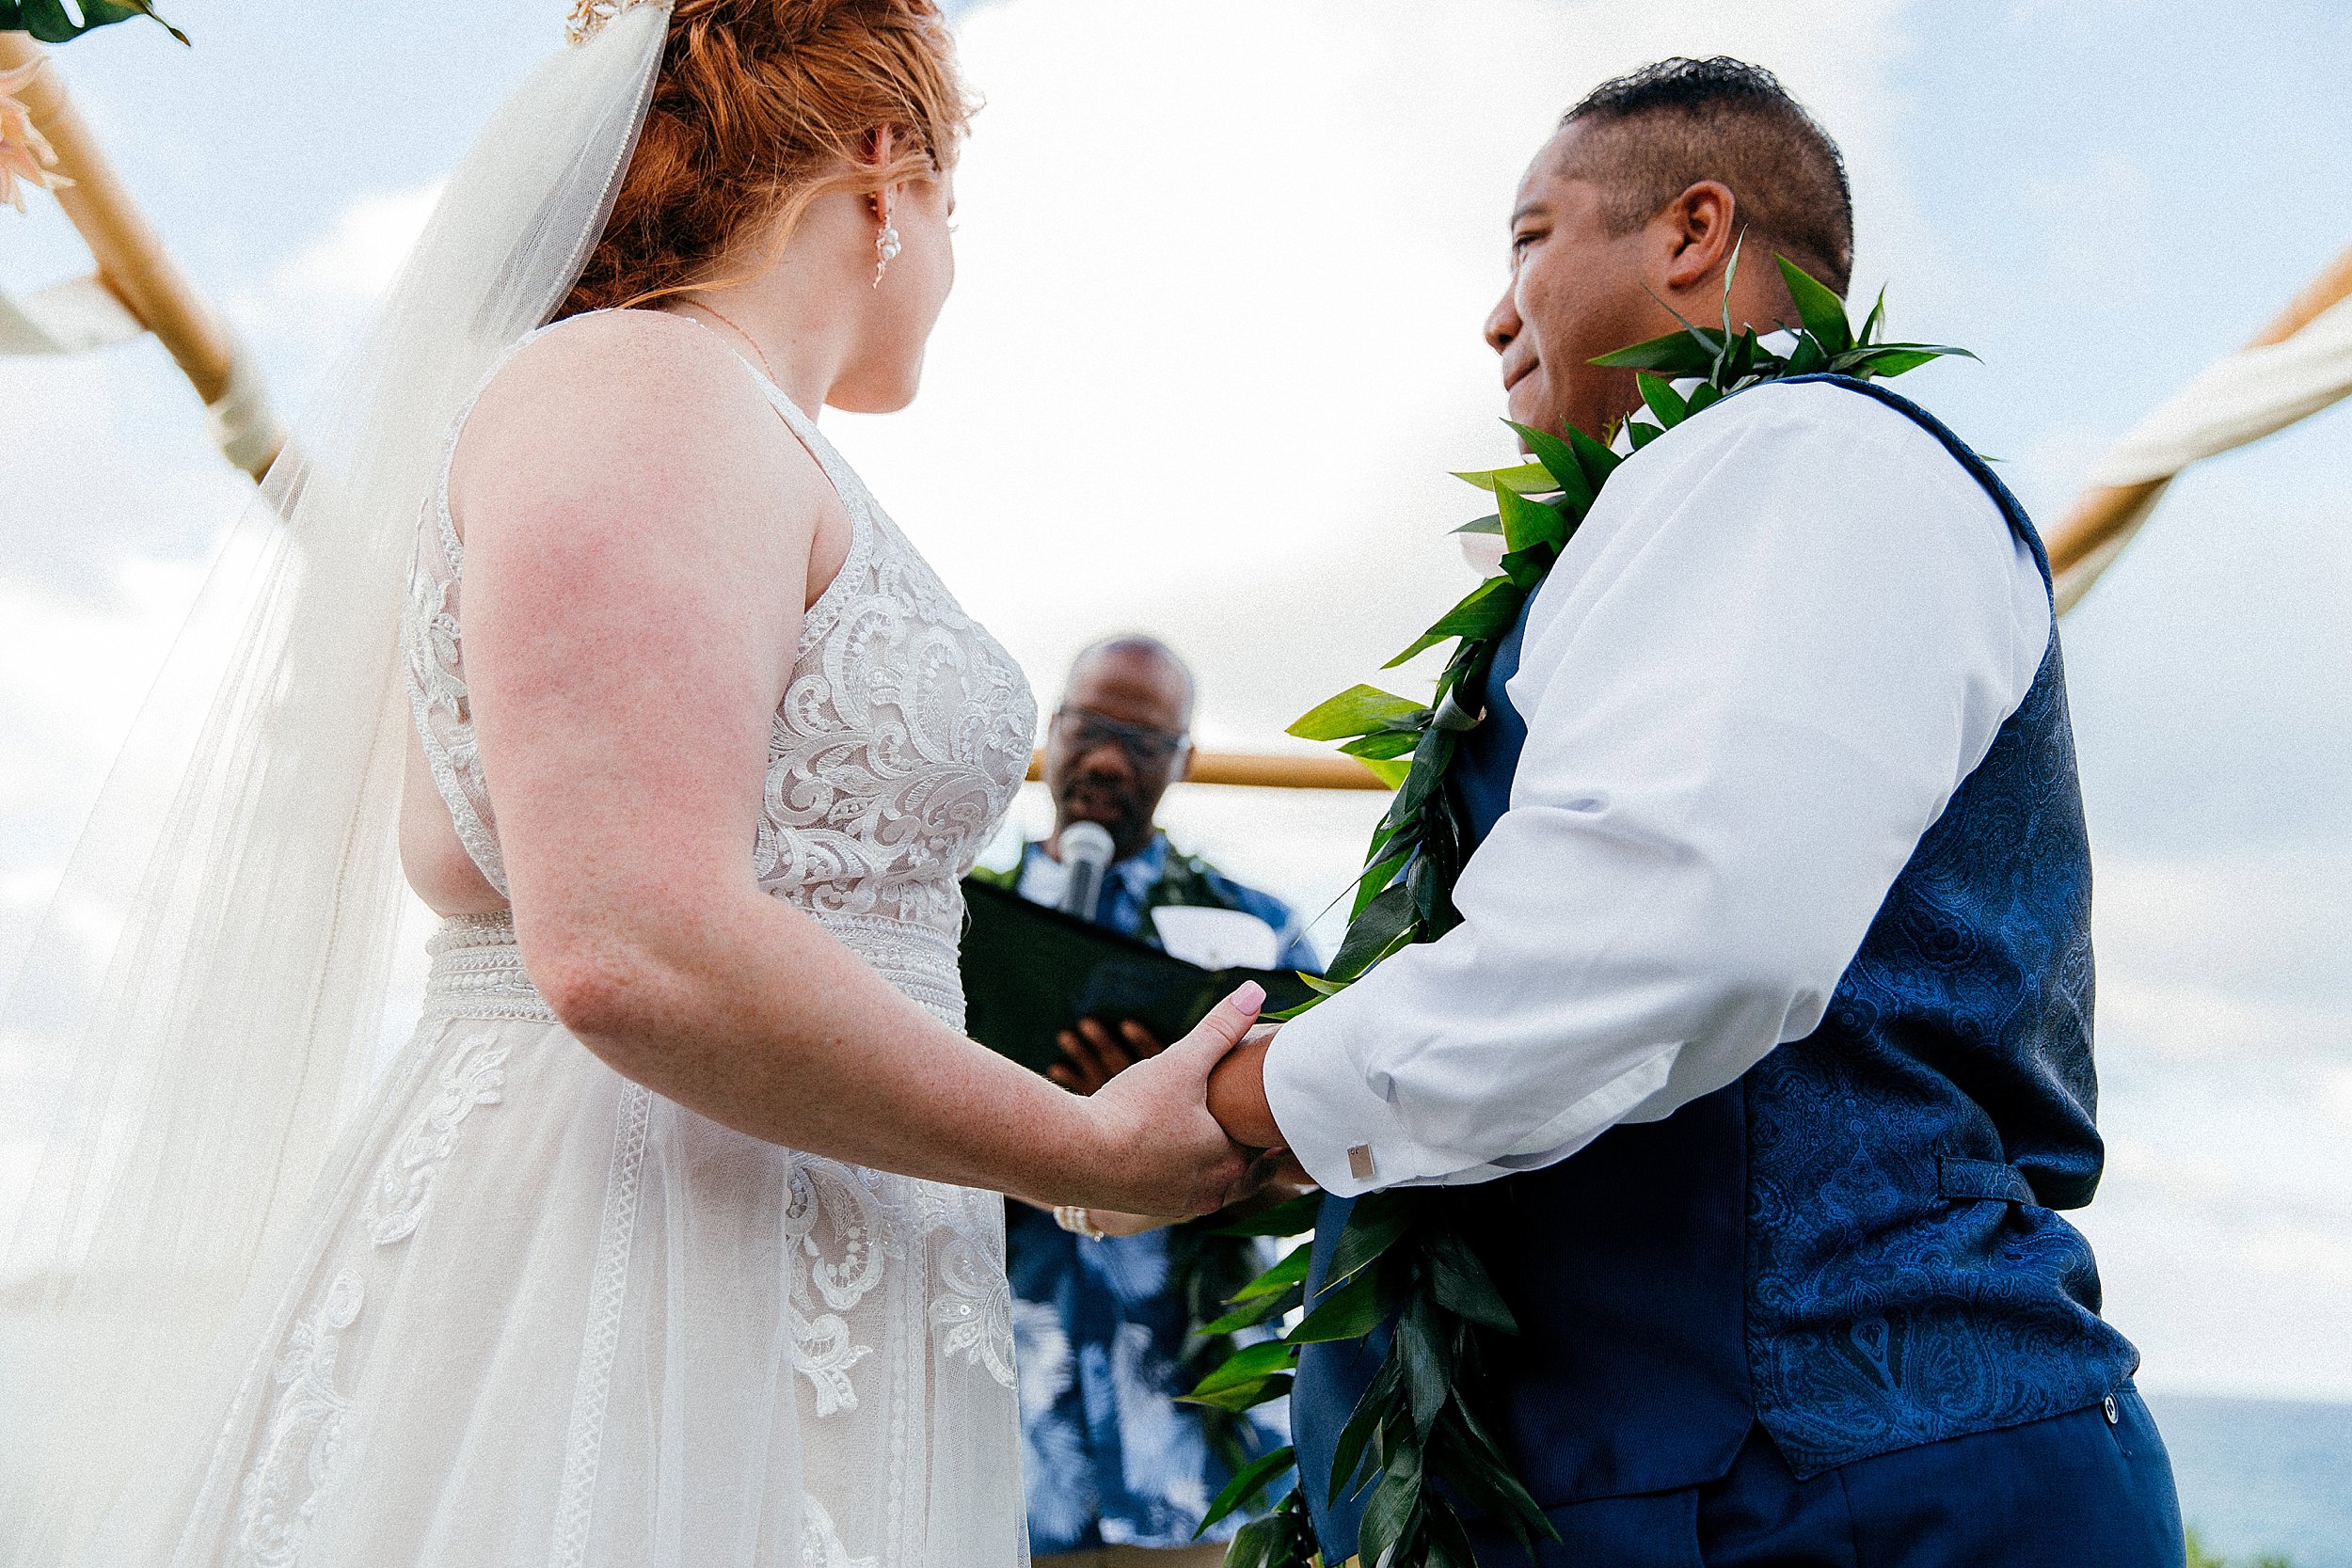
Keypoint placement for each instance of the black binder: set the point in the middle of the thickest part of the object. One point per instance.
(1030, 973)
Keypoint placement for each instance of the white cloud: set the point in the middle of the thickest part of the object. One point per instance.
(109, 499)
(2259, 929)
(2224, 1224)
(353, 261)
(2195, 1021)
(2300, 1254)
(1215, 338)
(2102, 217)
(71, 677)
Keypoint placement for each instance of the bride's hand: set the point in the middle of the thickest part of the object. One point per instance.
(1156, 1150)
(1114, 1222)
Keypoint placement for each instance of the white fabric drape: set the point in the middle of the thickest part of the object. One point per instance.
(65, 318)
(2237, 400)
(203, 1000)
(2243, 398)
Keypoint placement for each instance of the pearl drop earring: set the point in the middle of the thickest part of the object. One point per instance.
(885, 244)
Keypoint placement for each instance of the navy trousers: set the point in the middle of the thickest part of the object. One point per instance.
(2084, 1490)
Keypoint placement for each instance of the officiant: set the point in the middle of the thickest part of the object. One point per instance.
(1114, 1469)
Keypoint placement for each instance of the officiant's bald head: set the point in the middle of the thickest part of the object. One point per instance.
(1122, 736)
(1629, 219)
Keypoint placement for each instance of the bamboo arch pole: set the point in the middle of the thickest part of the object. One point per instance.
(133, 265)
(2103, 514)
(1256, 771)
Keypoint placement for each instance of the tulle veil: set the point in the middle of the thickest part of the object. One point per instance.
(202, 1004)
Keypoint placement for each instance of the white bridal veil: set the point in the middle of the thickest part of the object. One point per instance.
(202, 1004)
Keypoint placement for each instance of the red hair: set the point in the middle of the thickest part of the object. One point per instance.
(762, 107)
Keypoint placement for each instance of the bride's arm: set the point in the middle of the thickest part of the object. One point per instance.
(639, 526)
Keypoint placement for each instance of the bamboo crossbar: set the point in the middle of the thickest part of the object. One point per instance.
(2103, 511)
(1260, 770)
(131, 258)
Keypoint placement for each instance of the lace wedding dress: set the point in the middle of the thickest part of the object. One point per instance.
(546, 1316)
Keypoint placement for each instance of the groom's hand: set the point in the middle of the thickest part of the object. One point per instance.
(1238, 1093)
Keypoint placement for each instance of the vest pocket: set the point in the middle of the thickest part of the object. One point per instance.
(1981, 1181)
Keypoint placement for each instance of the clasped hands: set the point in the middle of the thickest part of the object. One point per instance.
(1095, 1053)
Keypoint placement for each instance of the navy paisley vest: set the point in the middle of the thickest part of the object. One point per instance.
(1856, 1244)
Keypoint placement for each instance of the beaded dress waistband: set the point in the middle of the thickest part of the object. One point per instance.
(478, 970)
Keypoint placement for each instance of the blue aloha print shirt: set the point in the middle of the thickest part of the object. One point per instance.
(1108, 1457)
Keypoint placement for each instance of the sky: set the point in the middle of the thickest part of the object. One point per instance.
(1215, 345)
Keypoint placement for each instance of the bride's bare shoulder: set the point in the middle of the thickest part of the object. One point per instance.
(617, 405)
(628, 353)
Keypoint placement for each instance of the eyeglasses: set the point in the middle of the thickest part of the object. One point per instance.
(1145, 747)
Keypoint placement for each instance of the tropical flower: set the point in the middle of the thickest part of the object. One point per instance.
(24, 153)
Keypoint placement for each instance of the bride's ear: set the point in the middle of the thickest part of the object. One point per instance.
(878, 147)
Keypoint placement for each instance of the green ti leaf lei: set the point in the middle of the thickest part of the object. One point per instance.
(1401, 1267)
(51, 22)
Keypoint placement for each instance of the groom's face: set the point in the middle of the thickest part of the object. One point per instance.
(1576, 291)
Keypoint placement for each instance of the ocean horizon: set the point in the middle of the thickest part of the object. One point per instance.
(2261, 1476)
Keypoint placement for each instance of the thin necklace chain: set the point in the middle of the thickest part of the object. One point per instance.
(750, 340)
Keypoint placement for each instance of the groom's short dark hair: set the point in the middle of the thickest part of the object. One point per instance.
(1651, 135)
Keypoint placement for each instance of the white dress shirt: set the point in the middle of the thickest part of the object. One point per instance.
(1786, 634)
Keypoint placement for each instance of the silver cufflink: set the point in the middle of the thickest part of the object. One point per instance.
(1360, 1164)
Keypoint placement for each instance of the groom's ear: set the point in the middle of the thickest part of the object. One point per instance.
(1698, 230)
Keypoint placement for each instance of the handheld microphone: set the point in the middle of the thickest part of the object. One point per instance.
(1086, 849)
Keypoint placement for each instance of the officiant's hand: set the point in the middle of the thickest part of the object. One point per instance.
(1097, 1055)
(1156, 1148)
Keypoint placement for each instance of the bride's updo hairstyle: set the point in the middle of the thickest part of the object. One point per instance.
(762, 107)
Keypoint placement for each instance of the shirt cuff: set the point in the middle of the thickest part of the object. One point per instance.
(1350, 1139)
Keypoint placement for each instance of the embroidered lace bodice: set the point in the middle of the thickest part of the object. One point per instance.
(902, 735)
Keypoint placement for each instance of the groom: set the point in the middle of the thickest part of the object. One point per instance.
(1759, 1065)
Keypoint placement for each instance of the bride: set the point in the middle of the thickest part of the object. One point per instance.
(663, 1240)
